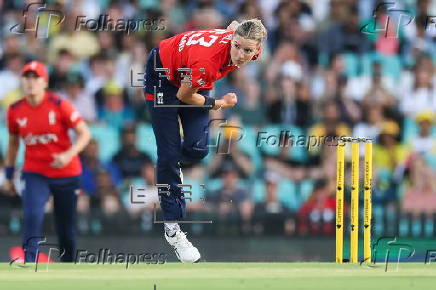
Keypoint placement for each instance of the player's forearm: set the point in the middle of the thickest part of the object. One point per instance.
(11, 155)
(198, 100)
(82, 140)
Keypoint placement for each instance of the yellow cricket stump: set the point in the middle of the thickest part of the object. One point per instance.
(354, 216)
(354, 206)
(340, 169)
(367, 206)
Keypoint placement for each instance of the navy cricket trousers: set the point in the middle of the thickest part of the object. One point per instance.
(171, 149)
(35, 195)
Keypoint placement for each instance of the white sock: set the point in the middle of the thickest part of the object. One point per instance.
(171, 229)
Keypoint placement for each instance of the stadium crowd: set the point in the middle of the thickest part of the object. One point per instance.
(329, 68)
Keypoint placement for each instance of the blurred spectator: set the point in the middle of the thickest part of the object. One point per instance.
(11, 45)
(82, 100)
(107, 195)
(349, 111)
(98, 75)
(422, 97)
(129, 159)
(82, 43)
(329, 126)
(371, 124)
(107, 44)
(204, 18)
(10, 78)
(142, 194)
(386, 38)
(271, 216)
(251, 111)
(317, 214)
(420, 194)
(114, 112)
(374, 88)
(331, 38)
(293, 106)
(63, 64)
(232, 200)
(425, 142)
(140, 197)
(388, 152)
(92, 165)
(228, 154)
(295, 22)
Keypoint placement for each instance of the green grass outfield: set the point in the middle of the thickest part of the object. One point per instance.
(201, 276)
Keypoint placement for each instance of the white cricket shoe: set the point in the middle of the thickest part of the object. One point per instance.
(185, 251)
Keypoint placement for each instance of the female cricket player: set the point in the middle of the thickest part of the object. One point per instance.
(51, 165)
(179, 76)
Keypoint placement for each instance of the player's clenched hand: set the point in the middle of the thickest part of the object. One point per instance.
(227, 101)
(9, 188)
(61, 160)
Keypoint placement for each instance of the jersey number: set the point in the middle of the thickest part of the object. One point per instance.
(201, 41)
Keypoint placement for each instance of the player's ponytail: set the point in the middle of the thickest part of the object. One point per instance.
(252, 29)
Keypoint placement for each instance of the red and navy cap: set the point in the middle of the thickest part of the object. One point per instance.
(37, 67)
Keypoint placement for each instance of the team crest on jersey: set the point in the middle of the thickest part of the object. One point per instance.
(22, 122)
(52, 118)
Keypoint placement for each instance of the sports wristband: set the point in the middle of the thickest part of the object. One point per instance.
(209, 102)
(9, 172)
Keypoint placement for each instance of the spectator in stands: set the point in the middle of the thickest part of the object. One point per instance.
(114, 111)
(293, 105)
(251, 110)
(129, 159)
(232, 200)
(423, 94)
(81, 99)
(372, 122)
(10, 80)
(92, 166)
(107, 195)
(388, 152)
(229, 154)
(141, 195)
(330, 126)
(419, 198)
(425, 142)
(317, 214)
(64, 63)
(11, 45)
(271, 216)
(140, 198)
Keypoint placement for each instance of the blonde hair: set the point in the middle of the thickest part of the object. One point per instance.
(252, 29)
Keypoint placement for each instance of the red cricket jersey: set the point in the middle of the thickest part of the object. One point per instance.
(205, 52)
(44, 131)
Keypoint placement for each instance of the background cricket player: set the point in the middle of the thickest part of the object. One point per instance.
(51, 165)
(209, 55)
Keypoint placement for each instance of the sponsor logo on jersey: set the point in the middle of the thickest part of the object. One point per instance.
(31, 139)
